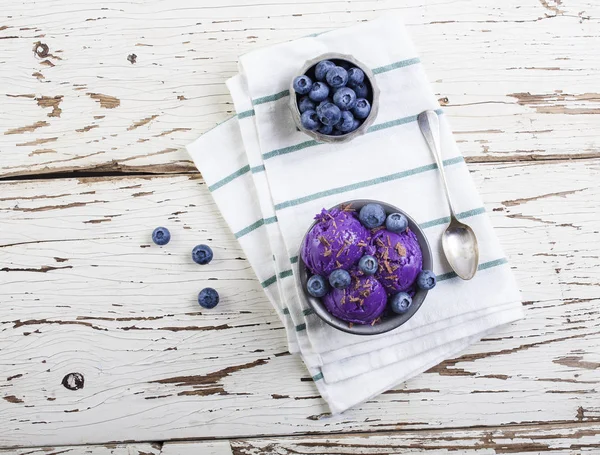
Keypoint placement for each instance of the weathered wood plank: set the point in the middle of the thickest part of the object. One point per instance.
(82, 290)
(107, 449)
(126, 87)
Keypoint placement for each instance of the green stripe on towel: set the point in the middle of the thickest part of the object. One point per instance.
(269, 98)
(367, 183)
(244, 114)
(229, 178)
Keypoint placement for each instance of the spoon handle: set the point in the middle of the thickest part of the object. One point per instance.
(430, 128)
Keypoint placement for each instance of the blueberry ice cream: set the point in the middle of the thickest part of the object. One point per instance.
(360, 303)
(337, 241)
(400, 259)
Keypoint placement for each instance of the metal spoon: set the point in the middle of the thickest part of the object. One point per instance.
(458, 240)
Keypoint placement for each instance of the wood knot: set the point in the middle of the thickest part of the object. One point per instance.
(132, 58)
(40, 49)
(73, 381)
(443, 101)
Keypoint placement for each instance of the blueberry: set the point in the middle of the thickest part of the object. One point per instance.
(328, 113)
(208, 298)
(337, 76)
(317, 286)
(355, 76)
(361, 89)
(305, 104)
(202, 254)
(401, 302)
(346, 122)
(340, 279)
(368, 264)
(372, 215)
(321, 69)
(344, 98)
(161, 236)
(319, 91)
(310, 120)
(302, 84)
(355, 125)
(426, 280)
(396, 222)
(362, 108)
(325, 129)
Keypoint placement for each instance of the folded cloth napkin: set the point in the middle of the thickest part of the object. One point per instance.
(269, 180)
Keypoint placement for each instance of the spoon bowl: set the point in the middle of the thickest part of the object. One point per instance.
(460, 248)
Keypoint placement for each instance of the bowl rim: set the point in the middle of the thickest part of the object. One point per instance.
(362, 129)
(385, 325)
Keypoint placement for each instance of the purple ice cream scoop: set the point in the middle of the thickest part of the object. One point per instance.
(337, 241)
(361, 303)
(400, 259)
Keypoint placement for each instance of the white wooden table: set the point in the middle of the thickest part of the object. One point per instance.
(97, 102)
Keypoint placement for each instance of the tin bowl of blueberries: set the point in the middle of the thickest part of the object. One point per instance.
(334, 98)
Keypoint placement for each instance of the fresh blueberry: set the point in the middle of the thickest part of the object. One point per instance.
(319, 91)
(344, 98)
(202, 254)
(328, 113)
(368, 264)
(361, 89)
(161, 236)
(321, 69)
(302, 84)
(355, 125)
(396, 222)
(317, 286)
(362, 108)
(401, 302)
(372, 215)
(340, 279)
(325, 129)
(426, 280)
(305, 104)
(310, 120)
(346, 122)
(208, 298)
(355, 76)
(337, 76)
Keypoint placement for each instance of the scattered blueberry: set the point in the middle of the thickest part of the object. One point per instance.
(310, 120)
(426, 280)
(202, 254)
(396, 222)
(372, 215)
(161, 236)
(317, 286)
(319, 91)
(344, 98)
(355, 125)
(302, 84)
(337, 76)
(325, 129)
(401, 302)
(361, 89)
(355, 76)
(329, 113)
(321, 69)
(306, 104)
(368, 264)
(362, 108)
(208, 298)
(340, 279)
(346, 122)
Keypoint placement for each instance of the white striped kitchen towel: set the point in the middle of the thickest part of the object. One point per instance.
(269, 180)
